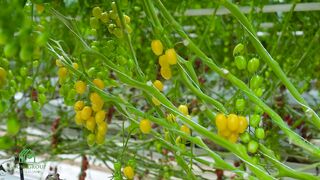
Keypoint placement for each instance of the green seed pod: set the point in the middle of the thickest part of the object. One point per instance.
(104, 17)
(253, 65)
(91, 71)
(117, 166)
(258, 92)
(259, 132)
(114, 7)
(113, 15)
(240, 104)
(42, 39)
(137, 8)
(35, 106)
(255, 82)
(42, 98)
(35, 64)
(254, 120)
(121, 60)
(238, 49)
(23, 71)
(255, 159)
(41, 89)
(25, 53)
(258, 110)
(253, 146)
(94, 23)
(10, 49)
(93, 32)
(4, 63)
(38, 116)
(158, 147)
(241, 62)
(111, 28)
(91, 139)
(28, 82)
(118, 32)
(29, 113)
(245, 137)
(96, 12)
(95, 48)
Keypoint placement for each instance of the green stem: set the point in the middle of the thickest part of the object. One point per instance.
(184, 165)
(284, 171)
(200, 94)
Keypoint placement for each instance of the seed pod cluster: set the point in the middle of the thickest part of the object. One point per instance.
(110, 19)
(89, 114)
(165, 60)
(231, 126)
